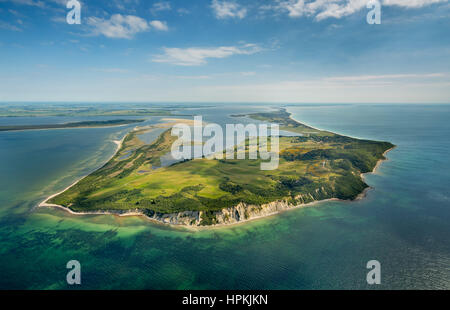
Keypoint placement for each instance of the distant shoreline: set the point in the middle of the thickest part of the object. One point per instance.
(75, 125)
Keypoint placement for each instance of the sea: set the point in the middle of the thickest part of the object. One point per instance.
(403, 222)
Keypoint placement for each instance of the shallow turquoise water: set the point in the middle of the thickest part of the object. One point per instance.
(403, 222)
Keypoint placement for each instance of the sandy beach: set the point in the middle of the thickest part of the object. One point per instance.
(45, 204)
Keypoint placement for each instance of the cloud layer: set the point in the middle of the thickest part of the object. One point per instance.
(159, 25)
(123, 26)
(228, 9)
(322, 9)
(161, 6)
(194, 56)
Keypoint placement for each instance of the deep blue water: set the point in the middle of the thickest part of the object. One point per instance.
(403, 222)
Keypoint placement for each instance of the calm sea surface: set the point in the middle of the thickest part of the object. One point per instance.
(404, 222)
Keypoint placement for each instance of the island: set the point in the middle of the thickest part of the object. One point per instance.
(86, 124)
(314, 166)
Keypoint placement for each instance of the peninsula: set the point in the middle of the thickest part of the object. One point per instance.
(314, 166)
(86, 124)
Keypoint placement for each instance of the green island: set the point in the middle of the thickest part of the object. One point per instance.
(314, 166)
(110, 123)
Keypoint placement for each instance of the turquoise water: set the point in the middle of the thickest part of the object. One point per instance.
(403, 222)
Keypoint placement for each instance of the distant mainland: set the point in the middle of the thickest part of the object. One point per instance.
(86, 124)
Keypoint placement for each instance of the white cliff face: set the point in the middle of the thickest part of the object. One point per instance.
(188, 218)
(240, 213)
(243, 212)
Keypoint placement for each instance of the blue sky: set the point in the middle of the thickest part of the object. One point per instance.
(303, 51)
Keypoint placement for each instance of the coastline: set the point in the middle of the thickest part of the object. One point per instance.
(383, 160)
(49, 205)
(320, 129)
(363, 194)
(66, 128)
(119, 143)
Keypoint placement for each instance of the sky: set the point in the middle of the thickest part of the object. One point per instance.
(287, 51)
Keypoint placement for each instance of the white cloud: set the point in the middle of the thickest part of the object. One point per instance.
(161, 6)
(37, 3)
(159, 25)
(123, 5)
(322, 9)
(195, 56)
(118, 26)
(228, 9)
(183, 11)
(411, 3)
(62, 2)
(8, 26)
(294, 8)
(338, 11)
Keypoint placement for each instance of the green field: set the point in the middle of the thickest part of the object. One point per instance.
(316, 166)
